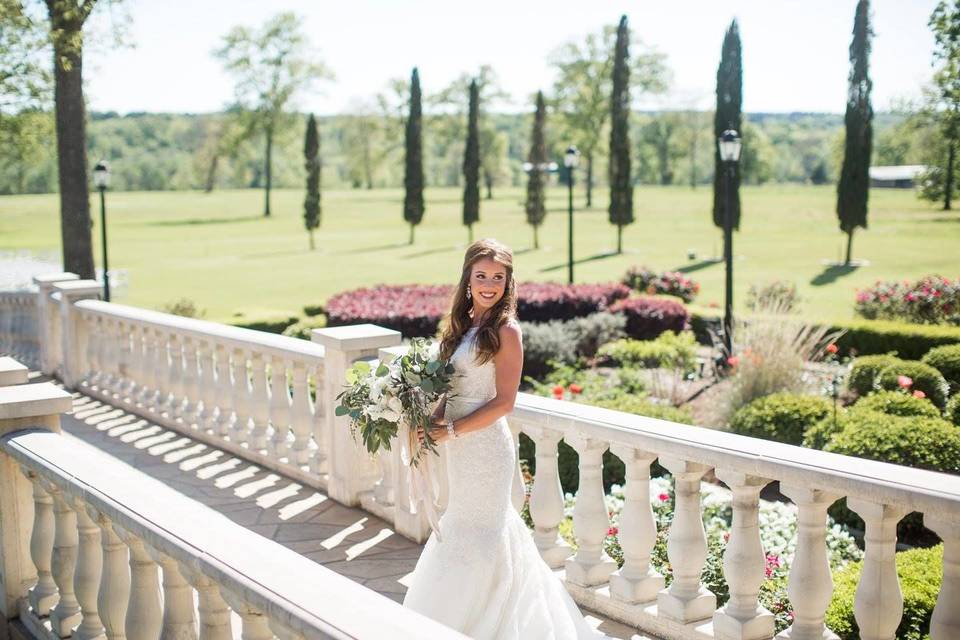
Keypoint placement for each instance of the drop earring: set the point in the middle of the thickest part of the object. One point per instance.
(469, 295)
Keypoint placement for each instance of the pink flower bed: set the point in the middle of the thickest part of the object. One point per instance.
(930, 300)
(674, 283)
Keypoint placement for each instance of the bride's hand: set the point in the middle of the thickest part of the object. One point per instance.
(438, 430)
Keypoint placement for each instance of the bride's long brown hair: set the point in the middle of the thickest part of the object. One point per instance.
(458, 322)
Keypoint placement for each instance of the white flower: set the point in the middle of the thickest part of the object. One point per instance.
(394, 403)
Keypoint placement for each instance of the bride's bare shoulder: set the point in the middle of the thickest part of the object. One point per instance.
(510, 327)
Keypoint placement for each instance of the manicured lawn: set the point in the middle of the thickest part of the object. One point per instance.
(217, 250)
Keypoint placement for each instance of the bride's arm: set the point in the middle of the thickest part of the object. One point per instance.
(508, 363)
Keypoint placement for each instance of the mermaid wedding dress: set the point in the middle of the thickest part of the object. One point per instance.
(486, 578)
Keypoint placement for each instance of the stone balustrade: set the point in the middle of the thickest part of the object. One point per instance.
(250, 393)
(19, 326)
(91, 549)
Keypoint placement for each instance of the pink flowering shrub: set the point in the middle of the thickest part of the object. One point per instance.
(546, 301)
(647, 318)
(931, 300)
(674, 283)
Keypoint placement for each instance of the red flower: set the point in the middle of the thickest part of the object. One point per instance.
(612, 531)
(575, 388)
(832, 348)
(664, 497)
(919, 394)
(558, 390)
(733, 361)
(904, 381)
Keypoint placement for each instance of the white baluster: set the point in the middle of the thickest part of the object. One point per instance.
(93, 348)
(213, 611)
(384, 491)
(108, 355)
(319, 462)
(174, 378)
(240, 427)
(43, 596)
(636, 581)
(260, 403)
(223, 393)
(134, 361)
(179, 622)
(255, 625)
(191, 392)
(145, 611)
(86, 579)
(66, 614)
(591, 565)
(686, 600)
(161, 364)
(148, 369)
(114, 595)
(945, 622)
(809, 585)
(279, 407)
(518, 491)
(301, 414)
(122, 336)
(744, 564)
(207, 395)
(546, 498)
(878, 604)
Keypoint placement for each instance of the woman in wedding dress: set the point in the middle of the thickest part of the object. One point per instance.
(486, 578)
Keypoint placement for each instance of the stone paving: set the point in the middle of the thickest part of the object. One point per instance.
(350, 541)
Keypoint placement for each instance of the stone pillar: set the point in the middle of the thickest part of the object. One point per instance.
(45, 317)
(351, 470)
(29, 405)
(73, 329)
(591, 565)
(546, 497)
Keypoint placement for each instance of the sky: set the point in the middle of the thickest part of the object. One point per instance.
(795, 52)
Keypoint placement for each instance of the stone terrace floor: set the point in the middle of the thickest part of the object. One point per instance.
(350, 541)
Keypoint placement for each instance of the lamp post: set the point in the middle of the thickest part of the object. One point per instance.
(729, 145)
(101, 179)
(570, 160)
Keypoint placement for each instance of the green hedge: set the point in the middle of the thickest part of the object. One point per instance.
(895, 403)
(924, 378)
(783, 417)
(952, 412)
(303, 328)
(669, 349)
(920, 572)
(865, 372)
(946, 360)
(270, 324)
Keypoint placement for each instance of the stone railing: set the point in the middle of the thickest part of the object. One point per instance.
(249, 393)
(92, 549)
(19, 325)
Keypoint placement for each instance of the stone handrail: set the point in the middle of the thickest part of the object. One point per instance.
(115, 553)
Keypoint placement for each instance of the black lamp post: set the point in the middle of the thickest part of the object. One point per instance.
(101, 179)
(570, 160)
(729, 145)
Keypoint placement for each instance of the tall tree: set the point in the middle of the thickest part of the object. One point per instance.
(25, 75)
(413, 206)
(946, 33)
(621, 182)
(536, 183)
(853, 189)
(271, 67)
(67, 18)
(581, 92)
(311, 155)
(728, 116)
(471, 163)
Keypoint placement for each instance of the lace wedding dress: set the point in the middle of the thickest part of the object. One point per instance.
(486, 578)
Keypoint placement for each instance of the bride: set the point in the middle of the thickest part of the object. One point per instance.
(486, 578)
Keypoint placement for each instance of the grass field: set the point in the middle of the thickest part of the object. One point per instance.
(217, 250)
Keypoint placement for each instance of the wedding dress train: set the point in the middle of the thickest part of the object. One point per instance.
(486, 578)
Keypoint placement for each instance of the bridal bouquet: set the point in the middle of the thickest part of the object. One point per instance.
(393, 401)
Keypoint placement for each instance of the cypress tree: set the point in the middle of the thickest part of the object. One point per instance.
(413, 169)
(621, 185)
(311, 154)
(536, 207)
(728, 116)
(471, 163)
(854, 186)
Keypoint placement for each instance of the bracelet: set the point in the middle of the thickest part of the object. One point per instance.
(450, 430)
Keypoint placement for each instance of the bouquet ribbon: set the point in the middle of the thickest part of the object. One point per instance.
(423, 480)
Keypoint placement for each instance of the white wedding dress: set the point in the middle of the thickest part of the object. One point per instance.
(486, 578)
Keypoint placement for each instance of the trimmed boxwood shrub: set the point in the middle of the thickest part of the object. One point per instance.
(946, 360)
(648, 317)
(303, 328)
(865, 372)
(920, 572)
(667, 350)
(895, 403)
(565, 342)
(783, 417)
(593, 331)
(925, 378)
(952, 412)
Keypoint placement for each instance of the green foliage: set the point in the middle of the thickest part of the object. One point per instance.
(471, 162)
(728, 115)
(920, 572)
(668, 350)
(946, 360)
(311, 154)
(413, 206)
(783, 417)
(865, 372)
(952, 412)
(924, 378)
(854, 185)
(271, 323)
(882, 336)
(184, 307)
(945, 109)
(303, 328)
(566, 341)
(783, 291)
(535, 207)
(591, 333)
(921, 442)
(895, 403)
(618, 168)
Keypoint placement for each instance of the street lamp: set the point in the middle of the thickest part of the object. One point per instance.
(570, 160)
(101, 179)
(729, 147)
